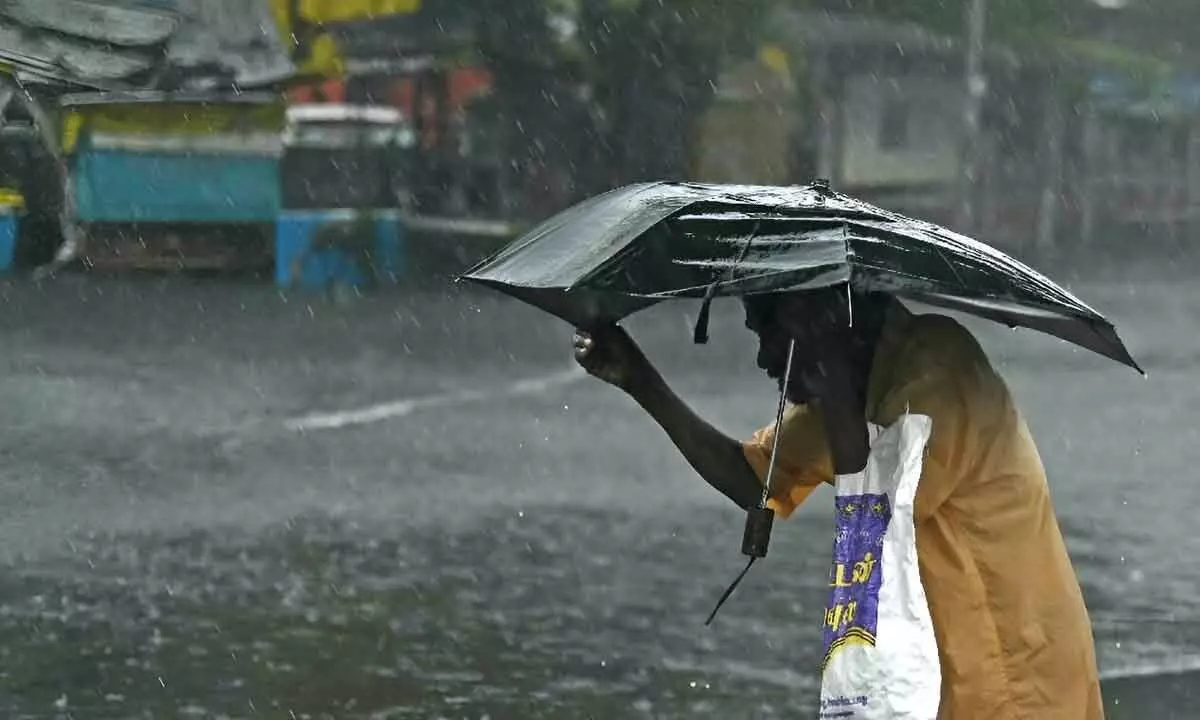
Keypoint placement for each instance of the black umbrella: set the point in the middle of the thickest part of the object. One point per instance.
(629, 248)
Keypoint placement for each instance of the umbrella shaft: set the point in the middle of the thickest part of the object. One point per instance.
(787, 376)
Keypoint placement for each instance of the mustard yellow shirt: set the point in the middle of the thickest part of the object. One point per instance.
(1013, 634)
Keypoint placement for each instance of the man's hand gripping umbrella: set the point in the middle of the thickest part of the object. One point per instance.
(807, 344)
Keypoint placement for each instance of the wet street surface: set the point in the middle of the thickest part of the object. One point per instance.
(217, 501)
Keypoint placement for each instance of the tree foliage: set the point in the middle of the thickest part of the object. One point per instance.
(610, 87)
(613, 88)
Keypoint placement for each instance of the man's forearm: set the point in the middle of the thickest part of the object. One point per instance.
(717, 457)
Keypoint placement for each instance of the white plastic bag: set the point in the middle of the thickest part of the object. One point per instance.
(881, 659)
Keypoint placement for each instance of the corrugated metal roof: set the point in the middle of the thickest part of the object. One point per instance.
(239, 35)
(127, 45)
(1178, 98)
(117, 24)
(846, 31)
(51, 52)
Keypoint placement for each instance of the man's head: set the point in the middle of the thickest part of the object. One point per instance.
(829, 325)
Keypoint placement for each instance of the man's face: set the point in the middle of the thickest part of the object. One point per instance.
(773, 343)
(818, 320)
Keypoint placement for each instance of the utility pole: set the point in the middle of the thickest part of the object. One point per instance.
(972, 137)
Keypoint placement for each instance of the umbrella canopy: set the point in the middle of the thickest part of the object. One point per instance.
(627, 249)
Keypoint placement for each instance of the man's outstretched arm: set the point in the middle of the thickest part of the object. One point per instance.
(610, 354)
(715, 456)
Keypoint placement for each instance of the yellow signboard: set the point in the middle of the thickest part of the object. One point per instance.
(331, 11)
(172, 118)
(11, 199)
(322, 56)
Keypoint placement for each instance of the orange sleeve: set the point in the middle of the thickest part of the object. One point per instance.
(803, 463)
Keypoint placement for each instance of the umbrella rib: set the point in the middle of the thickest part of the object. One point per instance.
(686, 291)
(1028, 279)
(712, 286)
(953, 270)
(1095, 325)
(700, 334)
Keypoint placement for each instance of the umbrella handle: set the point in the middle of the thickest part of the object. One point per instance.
(756, 537)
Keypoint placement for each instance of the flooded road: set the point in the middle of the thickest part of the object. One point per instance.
(217, 501)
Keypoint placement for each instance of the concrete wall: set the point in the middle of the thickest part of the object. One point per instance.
(745, 135)
(918, 114)
(898, 131)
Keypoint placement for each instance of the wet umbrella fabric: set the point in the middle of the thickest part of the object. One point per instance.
(632, 247)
